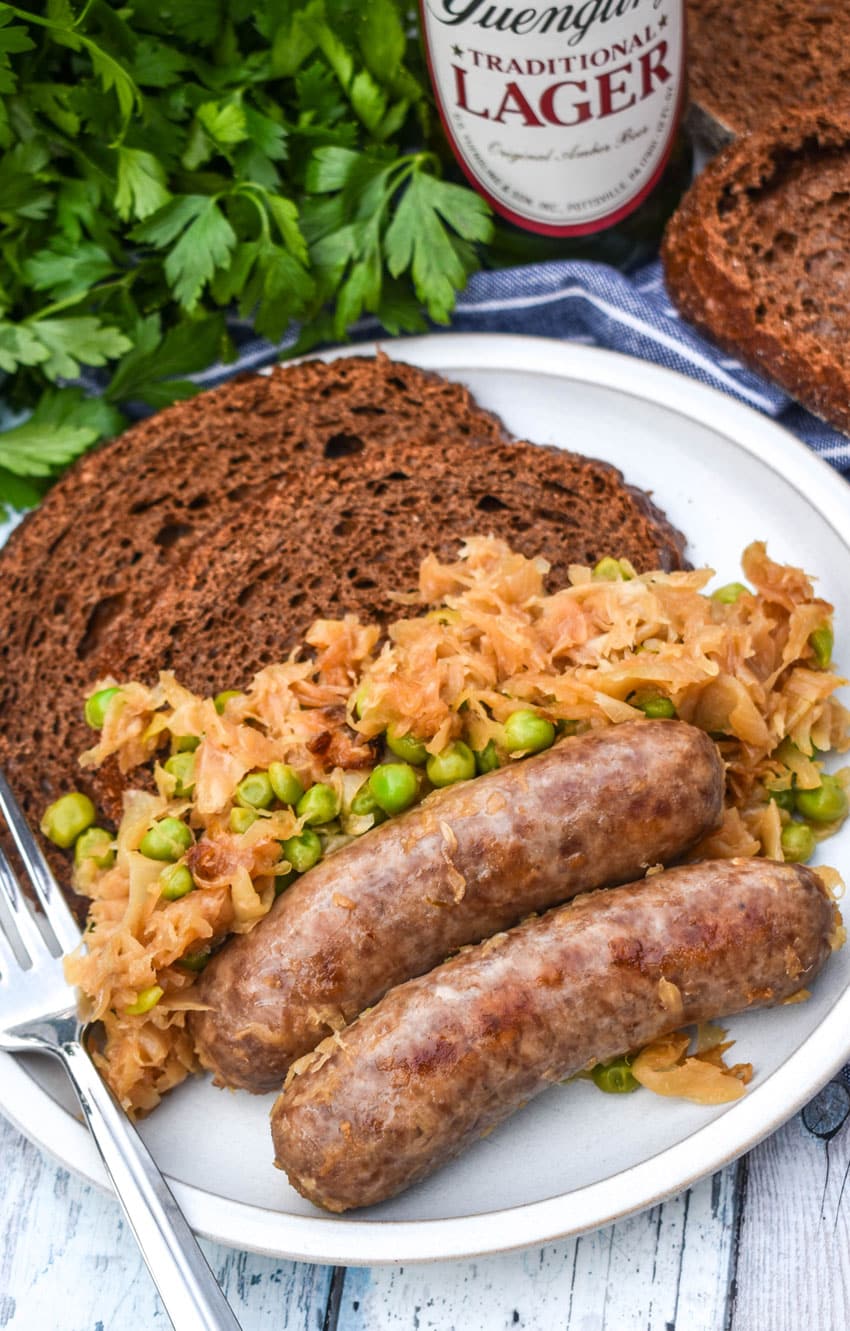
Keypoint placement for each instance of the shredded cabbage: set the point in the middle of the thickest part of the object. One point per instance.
(483, 639)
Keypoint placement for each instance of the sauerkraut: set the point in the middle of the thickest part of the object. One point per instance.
(482, 640)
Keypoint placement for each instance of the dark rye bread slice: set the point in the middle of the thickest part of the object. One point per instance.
(750, 63)
(343, 540)
(126, 516)
(758, 257)
(253, 482)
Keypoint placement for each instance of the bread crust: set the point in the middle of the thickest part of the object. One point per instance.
(749, 63)
(757, 257)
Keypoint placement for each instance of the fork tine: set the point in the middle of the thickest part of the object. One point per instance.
(46, 888)
(22, 921)
(9, 963)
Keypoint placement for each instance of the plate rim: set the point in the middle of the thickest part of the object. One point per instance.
(352, 1242)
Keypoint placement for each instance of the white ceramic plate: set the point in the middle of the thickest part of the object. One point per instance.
(574, 1159)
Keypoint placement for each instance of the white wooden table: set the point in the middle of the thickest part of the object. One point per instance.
(762, 1246)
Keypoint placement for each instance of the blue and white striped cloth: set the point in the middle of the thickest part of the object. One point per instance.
(596, 305)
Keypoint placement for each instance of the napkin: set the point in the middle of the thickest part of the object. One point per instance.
(598, 306)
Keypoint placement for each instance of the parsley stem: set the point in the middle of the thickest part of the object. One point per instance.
(249, 190)
(83, 15)
(107, 66)
(114, 284)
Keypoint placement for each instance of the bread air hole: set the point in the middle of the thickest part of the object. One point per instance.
(171, 533)
(100, 617)
(343, 445)
(490, 504)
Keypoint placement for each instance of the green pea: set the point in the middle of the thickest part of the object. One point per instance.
(394, 786)
(784, 798)
(96, 706)
(67, 817)
(319, 804)
(195, 961)
(364, 804)
(656, 709)
(729, 594)
(822, 643)
(241, 819)
(364, 801)
(221, 700)
(615, 1076)
(95, 844)
(175, 882)
(283, 881)
(182, 767)
(456, 762)
(608, 570)
(302, 851)
(798, 842)
(408, 747)
(185, 743)
(488, 758)
(527, 732)
(147, 999)
(255, 791)
(361, 701)
(286, 783)
(166, 840)
(825, 804)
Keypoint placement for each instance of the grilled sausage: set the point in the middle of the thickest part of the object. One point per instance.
(444, 1058)
(470, 860)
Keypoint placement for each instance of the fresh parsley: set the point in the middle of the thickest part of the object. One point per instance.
(167, 162)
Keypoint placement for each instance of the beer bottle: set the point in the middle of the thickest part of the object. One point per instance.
(566, 118)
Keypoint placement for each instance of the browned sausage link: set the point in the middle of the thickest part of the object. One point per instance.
(470, 860)
(444, 1058)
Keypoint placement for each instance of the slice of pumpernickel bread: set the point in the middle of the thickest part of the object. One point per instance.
(749, 63)
(124, 519)
(208, 538)
(341, 541)
(758, 257)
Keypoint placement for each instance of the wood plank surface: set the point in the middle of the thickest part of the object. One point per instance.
(664, 1269)
(793, 1269)
(68, 1262)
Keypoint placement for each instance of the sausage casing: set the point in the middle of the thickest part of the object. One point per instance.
(472, 859)
(445, 1057)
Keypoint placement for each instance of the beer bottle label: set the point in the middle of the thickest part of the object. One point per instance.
(562, 116)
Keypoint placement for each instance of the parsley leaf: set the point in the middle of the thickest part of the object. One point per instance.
(150, 369)
(141, 184)
(13, 40)
(68, 268)
(156, 65)
(19, 346)
(417, 239)
(62, 426)
(72, 342)
(206, 243)
(165, 166)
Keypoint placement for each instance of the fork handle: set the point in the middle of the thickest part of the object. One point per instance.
(189, 1291)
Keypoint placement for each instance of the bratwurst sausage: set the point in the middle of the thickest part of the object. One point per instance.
(470, 860)
(444, 1058)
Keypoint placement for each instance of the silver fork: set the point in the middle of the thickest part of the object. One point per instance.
(38, 1013)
